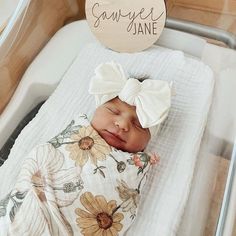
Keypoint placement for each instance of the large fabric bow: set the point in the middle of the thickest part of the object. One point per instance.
(152, 98)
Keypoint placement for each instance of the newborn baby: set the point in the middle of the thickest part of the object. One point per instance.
(118, 124)
(127, 109)
(88, 179)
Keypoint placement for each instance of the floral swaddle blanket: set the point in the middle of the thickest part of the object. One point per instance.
(76, 184)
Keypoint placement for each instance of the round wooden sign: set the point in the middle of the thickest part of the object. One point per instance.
(125, 25)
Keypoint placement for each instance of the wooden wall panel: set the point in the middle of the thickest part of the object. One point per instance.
(169, 5)
(223, 6)
(41, 21)
(214, 13)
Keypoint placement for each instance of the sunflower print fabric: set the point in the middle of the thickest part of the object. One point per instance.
(76, 184)
(87, 144)
(100, 217)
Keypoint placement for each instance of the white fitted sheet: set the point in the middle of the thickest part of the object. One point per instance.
(177, 143)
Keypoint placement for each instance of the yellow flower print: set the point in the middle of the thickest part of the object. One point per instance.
(100, 218)
(87, 143)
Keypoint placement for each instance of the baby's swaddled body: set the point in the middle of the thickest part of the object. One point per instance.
(76, 184)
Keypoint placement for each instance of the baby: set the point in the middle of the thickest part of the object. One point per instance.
(117, 123)
(88, 179)
(127, 109)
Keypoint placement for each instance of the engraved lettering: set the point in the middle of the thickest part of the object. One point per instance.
(142, 15)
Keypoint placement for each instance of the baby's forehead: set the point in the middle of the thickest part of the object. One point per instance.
(123, 106)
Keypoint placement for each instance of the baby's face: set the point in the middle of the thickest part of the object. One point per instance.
(118, 124)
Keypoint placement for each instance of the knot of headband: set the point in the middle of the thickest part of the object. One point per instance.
(152, 98)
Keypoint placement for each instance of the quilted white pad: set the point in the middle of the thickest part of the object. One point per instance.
(177, 142)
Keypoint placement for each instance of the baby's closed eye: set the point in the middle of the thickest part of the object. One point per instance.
(113, 110)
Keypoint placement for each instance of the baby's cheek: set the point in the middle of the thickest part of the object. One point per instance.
(136, 144)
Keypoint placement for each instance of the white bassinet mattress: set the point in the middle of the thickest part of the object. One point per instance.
(178, 140)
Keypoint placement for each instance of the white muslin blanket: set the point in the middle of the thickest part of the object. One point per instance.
(177, 142)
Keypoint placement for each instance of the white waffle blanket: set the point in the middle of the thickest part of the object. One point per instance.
(177, 143)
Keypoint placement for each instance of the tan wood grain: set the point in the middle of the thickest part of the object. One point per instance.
(203, 15)
(169, 5)
(219, 6)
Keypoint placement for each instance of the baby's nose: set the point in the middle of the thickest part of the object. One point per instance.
(122, 123)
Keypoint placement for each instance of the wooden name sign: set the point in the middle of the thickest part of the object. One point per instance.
(126, 25)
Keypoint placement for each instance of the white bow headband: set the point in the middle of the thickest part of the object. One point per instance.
(152, 98)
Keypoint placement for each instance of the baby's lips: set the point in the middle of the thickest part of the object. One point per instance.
(116, 135)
